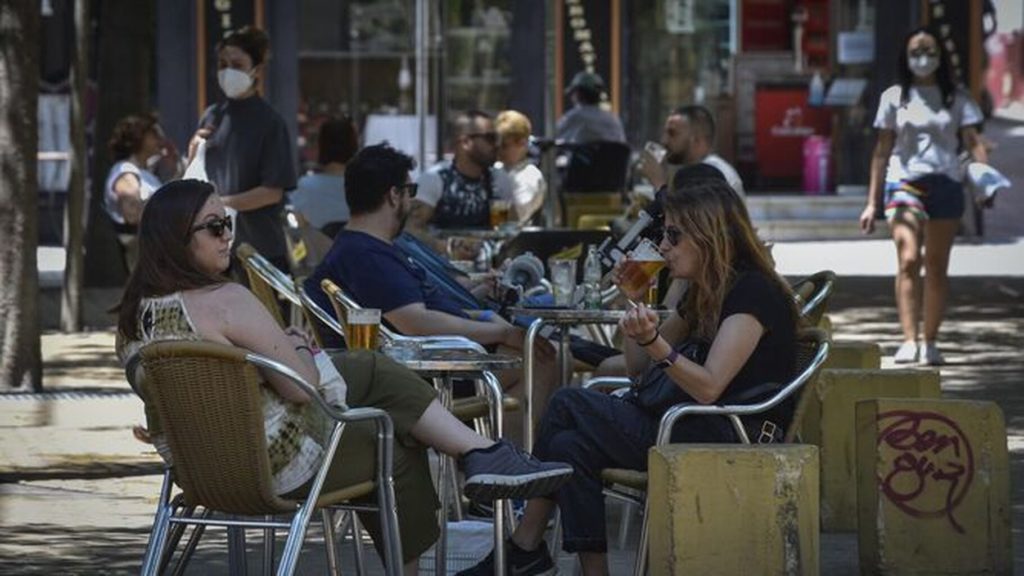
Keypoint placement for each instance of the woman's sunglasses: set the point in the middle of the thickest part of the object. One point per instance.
(673, 235)
(216, 227)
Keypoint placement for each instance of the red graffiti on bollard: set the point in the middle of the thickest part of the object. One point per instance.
(925, 451)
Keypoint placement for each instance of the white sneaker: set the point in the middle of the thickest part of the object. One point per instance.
(931, 356)
(907, 353)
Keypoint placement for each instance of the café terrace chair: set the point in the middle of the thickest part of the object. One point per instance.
(594, 179)
(630, 486)
(307, 245)
(269, 284)
(812, 295)
(208, 398)
(465, 409)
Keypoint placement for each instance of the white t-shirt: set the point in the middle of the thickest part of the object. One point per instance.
(148, 183)
(528, 189)
(731, 176)
(926, 131)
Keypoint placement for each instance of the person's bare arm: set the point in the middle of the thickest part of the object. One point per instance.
(879, 161)
(419, 220)
(254, 198)
(974, 144)
(736, 340)
(129, 199)
(243, 321)
(418, 320)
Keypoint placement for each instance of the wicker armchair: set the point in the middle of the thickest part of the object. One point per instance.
(631, 485)
(207, 396)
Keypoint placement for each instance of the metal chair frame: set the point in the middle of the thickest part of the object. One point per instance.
(733, 412)
(815, 306)
(167, 514)
(266, 280)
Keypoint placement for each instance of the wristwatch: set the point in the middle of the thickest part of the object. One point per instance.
(668, 360)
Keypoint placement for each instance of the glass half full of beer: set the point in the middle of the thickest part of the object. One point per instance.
(499, 212)
(362, 329)
(642, 264)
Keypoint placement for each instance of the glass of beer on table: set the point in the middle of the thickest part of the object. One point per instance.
(499, 212)
(362, 329)
(641, 267)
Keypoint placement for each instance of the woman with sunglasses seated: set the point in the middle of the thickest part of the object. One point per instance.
(736, 303)
(179, 291)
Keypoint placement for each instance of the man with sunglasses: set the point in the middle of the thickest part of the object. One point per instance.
(457, 193)
(368, 265)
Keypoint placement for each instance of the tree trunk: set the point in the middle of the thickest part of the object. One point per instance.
(124, 72)
(71, 294)
(20, 363)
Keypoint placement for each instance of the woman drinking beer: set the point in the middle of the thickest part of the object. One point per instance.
(179, 291)
(734, 329)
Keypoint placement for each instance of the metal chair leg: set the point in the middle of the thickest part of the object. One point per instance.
(161, 523)
(190, 546)
(357, 543)
(236, 551)
(624, 523)
(640, 565)
(329, 542)
(268, 549)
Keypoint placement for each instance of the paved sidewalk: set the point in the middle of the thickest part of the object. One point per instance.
(86, 522)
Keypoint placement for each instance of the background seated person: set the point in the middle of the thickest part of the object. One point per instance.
(179, 291)
(319, 197)
(458, 193)
(528, 186)
(366, 264)
(737, 303)
(586, 121)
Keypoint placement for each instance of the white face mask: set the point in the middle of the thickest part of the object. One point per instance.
(922, 66)
(233, 82)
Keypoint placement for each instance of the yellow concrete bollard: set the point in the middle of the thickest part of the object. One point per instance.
(828, 422)
(933, 488)
(734, 509)
(854, 356)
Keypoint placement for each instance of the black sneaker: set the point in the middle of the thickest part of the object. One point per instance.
(504, 471)
(518, 562)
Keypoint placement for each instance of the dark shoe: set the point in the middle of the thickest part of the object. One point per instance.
(518, 562)
(504, 471)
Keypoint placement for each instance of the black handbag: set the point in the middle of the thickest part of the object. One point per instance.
(656, 392)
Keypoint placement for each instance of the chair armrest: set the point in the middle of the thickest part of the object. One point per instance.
(607, 383)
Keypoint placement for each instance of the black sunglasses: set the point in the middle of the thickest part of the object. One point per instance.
(489, 137)
(216, 227)
(673, 235)
(409, 188)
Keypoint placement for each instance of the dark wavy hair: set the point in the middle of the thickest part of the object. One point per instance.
(371, 174)
(715, 218)
(250, 40)
(165, 262)
(943, 75)
(128, 134)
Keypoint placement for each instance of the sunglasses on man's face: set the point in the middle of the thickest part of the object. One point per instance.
(409, 188)
(215, 227)
(673, 235)
(489, 137)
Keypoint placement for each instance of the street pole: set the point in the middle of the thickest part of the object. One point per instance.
(74, 223)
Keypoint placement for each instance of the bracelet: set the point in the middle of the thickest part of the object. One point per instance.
(657, 335)
(306, 348)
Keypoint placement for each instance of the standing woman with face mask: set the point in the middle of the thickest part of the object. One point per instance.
(922, 122)
(249, 155)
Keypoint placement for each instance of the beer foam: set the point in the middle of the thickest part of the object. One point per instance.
(646, 251)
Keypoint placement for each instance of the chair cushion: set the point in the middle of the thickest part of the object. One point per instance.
(631, 478)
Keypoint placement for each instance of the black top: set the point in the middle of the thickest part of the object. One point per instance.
(250, 147)
(774, 358)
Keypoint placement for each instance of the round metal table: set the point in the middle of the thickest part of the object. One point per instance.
(564, 319)
(442, 366)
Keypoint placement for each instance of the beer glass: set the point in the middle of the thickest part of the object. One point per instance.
(362, 329)
(563, 281)
(642, 264)
(499, 212)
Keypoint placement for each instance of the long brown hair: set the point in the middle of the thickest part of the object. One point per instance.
(712, 215)
(165, 262)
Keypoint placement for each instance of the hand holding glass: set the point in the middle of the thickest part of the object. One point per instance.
(640, 267)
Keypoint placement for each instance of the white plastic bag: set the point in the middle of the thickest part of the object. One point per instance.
(197, 171)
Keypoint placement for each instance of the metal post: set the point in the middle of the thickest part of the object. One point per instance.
(422, 35)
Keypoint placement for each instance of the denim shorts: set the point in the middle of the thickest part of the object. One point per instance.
(934, 196)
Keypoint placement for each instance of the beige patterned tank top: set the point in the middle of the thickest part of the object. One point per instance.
(296, 433)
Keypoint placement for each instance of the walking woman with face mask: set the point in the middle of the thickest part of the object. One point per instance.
(921, 123)
(249, 157)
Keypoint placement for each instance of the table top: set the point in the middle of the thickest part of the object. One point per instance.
(433, 360)
(576, 316)
(501, 233)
